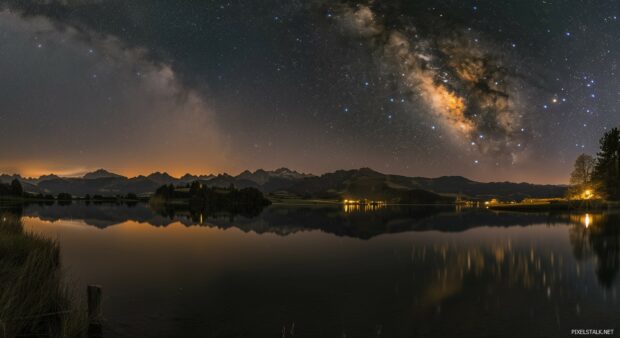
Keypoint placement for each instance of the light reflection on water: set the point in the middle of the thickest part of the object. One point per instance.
(349, 208)
(391, 272)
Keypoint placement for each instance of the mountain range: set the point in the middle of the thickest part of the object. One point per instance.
(286, 183)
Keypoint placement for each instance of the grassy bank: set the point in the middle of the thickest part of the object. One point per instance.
(34, 300)
(552, 205)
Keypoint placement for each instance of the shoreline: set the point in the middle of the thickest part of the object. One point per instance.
(580, 205)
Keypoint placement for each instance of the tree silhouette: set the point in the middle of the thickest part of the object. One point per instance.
(201, 197)
(16, 188)
(581, 176)
(63, 196)
(582, 173)
(607, 169)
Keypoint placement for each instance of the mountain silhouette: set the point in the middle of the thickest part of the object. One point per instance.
(355, 183)
(101, 173)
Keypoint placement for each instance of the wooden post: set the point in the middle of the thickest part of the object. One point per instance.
(95, 312)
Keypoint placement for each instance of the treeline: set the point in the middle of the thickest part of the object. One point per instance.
(15, 190)
(607, 168)
(197, 193)
(600, 176)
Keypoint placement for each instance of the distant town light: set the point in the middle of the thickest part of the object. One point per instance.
(362, 205)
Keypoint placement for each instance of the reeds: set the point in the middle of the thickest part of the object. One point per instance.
(34, 300)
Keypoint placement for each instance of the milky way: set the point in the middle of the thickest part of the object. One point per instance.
(465, 87)
(491, 90)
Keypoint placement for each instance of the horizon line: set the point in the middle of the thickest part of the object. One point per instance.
(83, 174)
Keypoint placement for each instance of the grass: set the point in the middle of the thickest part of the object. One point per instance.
(34, 300)
(551, 205)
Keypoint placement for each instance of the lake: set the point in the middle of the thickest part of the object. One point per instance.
(334, 271)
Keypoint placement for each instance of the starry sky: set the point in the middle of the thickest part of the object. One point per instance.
(491, 90)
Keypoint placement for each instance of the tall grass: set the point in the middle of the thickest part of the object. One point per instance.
(34, 300)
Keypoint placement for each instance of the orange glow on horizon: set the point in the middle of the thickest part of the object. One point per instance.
(32, 171)
(36, 169)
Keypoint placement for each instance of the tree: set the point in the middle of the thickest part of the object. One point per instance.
(607, 169)
(16, 188)
(63, 196)
(582, 173)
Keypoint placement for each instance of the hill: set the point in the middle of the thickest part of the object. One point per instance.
(367, 183)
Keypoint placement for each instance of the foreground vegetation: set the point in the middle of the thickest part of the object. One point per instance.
(594, 182)
(598, 178)
(34, 301)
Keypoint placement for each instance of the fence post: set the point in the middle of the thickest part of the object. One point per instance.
(95, 312)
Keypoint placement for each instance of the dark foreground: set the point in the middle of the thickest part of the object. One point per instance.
(330, 272)
(34, 298)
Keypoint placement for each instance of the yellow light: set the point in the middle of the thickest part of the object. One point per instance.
(587, 221)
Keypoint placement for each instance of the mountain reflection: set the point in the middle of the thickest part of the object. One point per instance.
(283, 220)
(592, 236)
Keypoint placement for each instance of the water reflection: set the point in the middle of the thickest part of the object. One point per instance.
(588, 219)
(598, 236)
(331, 272)
(366, 207)
(592, 235)
(285, 220)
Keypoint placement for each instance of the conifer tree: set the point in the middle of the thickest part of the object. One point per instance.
(607, 169)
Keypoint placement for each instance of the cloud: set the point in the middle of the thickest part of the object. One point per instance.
(86, 100)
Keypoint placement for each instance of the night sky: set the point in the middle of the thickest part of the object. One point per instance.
(491, 90)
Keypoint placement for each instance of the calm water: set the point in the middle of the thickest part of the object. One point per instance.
(330, 272)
